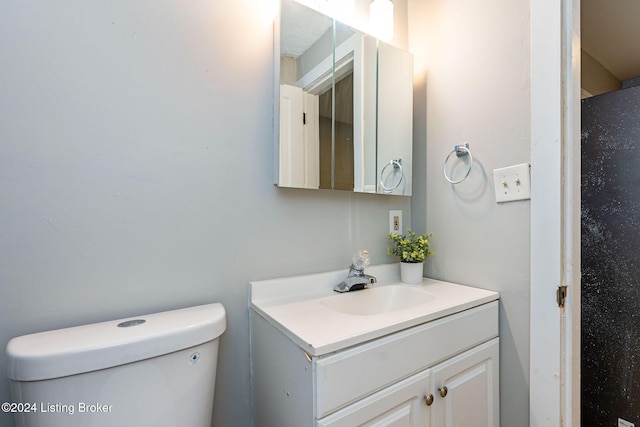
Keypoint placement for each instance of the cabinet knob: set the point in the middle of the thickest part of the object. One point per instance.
(443, 391)
(428, 399)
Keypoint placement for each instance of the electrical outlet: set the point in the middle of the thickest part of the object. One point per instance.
(512, 183)
(395, 222)
(623, 423)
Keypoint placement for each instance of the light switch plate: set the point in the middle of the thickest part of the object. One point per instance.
(512, 183)
(395, 222)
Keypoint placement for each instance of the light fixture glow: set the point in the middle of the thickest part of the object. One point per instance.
(381, 19)
(342, 10)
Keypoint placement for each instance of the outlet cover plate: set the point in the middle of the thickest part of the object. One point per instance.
(512, 183)
(395, 222)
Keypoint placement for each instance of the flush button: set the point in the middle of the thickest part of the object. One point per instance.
(129, 323)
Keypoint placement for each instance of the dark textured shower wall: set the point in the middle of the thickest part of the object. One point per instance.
(611, 258)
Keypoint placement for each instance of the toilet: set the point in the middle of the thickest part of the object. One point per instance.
(145, 371)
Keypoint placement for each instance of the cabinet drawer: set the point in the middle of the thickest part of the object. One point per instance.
(350, 375)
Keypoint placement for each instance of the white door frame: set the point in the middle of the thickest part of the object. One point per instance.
(571, 270)
(555, 213)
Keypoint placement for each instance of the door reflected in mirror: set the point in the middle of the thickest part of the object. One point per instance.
(306, 86)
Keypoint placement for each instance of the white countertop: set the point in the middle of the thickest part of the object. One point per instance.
(293, 305)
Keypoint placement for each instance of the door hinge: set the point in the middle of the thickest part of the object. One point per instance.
(561, 295)
(304, 118)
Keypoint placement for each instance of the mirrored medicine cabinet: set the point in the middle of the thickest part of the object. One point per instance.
(344, 106)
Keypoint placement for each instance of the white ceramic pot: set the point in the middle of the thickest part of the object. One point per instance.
(411, 272)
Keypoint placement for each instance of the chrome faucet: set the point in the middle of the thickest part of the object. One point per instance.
(356, 279)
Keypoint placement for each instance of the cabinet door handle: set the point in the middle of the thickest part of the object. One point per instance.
(443, 391)
(428, 399)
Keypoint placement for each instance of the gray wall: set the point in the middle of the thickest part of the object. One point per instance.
(473, 85)
(136, 167)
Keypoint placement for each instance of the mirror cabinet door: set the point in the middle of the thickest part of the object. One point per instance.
(330, 96)
(395, 120)
(305, 88)
(355, 110)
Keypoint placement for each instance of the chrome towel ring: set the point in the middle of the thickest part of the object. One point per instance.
(397, 164)
(461, 151)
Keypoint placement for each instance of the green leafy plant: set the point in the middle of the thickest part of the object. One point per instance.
(410, 247)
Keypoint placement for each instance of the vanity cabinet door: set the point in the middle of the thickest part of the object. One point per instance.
(400, 405)
(465, 388)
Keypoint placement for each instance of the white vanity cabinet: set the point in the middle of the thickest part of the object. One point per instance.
(441, 372)
(462, 391)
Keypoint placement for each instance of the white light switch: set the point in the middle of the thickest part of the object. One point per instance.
(512, 183)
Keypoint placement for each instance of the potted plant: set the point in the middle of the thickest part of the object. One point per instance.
(412, 249)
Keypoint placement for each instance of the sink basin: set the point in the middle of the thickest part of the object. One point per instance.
(377, 300)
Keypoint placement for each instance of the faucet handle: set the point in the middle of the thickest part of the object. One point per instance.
(361, 259)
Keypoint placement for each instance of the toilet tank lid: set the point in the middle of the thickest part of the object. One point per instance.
(87, 348)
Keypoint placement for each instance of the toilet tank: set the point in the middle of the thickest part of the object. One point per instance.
(153, 370)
